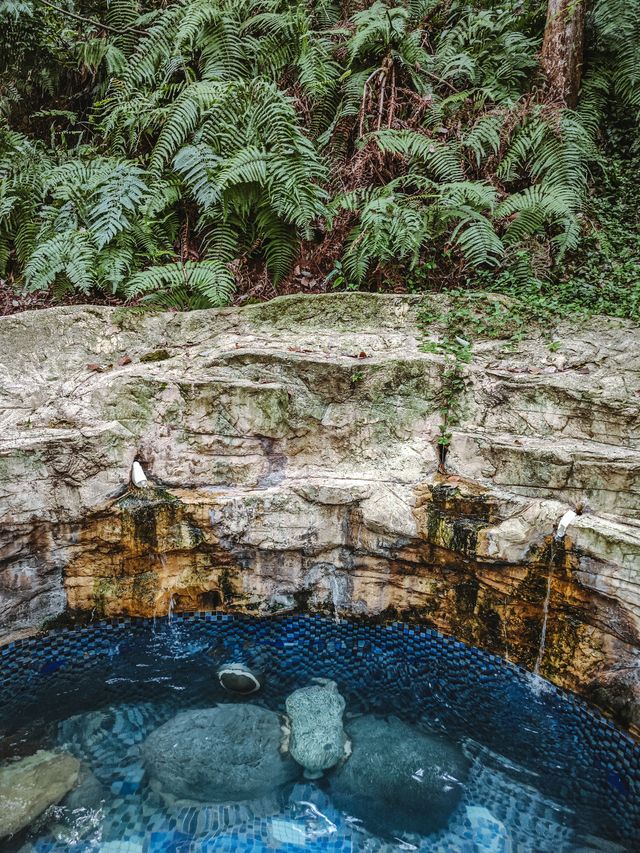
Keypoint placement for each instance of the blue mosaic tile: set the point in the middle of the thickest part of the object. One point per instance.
(577, 756)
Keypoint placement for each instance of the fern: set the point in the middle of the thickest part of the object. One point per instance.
(484, 136)
(280, 242)
(616, 24)
(439, 158)
(124, 15)
(114, 202)
(183, 117)
(533, 210)
(152, 57)
(394, 223)
(249, 161)
(196, 164)
(475, 237)
(81, 223)
(210, 280)
(94, 53)
(72, 254)
(554, 150)
(484, 49)
(229, 131)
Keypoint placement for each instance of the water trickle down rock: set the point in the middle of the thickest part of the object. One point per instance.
(31, 785)
(317, 739)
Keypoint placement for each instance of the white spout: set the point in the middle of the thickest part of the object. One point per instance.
(568, 518)
(138, 477)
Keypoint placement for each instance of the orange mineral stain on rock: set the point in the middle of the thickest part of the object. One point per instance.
(143, 552)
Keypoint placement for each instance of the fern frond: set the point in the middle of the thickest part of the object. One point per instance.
(441, 159)
(115, 201)
(476, 238)
(210, 279)
(280, 241)
(153, 54)
(182, 119)
(123, 15)
(72, 253)
(483, 138)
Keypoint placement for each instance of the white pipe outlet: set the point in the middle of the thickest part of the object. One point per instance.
(563, 525)
(138, 477)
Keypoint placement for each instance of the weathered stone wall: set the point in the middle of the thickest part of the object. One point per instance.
(292, 449)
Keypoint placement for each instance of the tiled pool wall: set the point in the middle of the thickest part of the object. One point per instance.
(416, 672)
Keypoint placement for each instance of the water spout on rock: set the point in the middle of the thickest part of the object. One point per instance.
(138, 477)
(567, 519)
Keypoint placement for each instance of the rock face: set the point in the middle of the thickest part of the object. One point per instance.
(31, 785)
(317, 739)
(292, 453)
(228, 753)
(398, 780)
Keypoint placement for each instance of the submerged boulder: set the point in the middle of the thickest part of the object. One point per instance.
(88, 793)
(223, 754)
(398, 779)
(317, 740)
(31, 785)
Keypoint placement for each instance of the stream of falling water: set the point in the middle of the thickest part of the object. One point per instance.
(335, 596)
(545, 609)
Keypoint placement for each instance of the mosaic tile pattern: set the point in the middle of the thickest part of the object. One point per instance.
(542, 761)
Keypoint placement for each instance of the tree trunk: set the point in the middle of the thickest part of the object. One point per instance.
(562, 49)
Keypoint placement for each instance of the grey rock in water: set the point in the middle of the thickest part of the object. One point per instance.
(317, 739)
(238, 678)
(31, 785)
(89, 792)
(398, 779)
(223, 754)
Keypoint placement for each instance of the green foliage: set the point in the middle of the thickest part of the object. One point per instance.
(254, 175)
(204, 284)
(168, 152)
(483, 50)
(602, 275)
(80, 222)
(615, 26)
(397, 220)
(601, 278)
(463, 318)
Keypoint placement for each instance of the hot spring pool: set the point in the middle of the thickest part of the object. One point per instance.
(522, 766)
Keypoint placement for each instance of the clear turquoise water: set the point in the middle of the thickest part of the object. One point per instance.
(546, 774)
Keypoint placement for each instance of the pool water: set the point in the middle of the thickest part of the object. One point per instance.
(543, 771)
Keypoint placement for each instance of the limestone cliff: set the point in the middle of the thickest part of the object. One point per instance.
(293, 459)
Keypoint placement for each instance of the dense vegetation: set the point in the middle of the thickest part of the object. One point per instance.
(184, 152)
